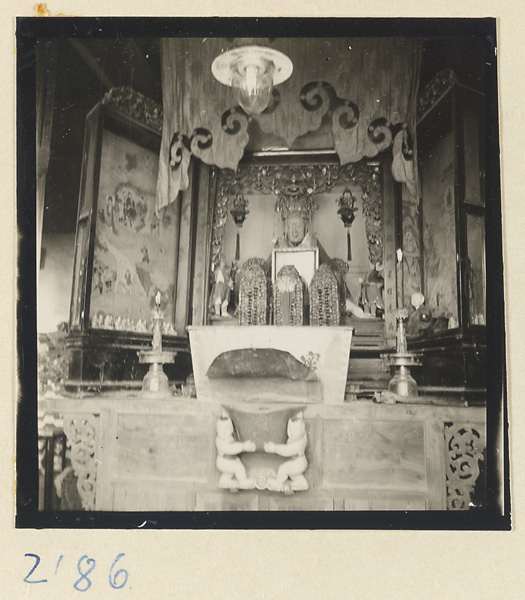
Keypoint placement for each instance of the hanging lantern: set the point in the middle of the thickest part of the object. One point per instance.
(252, 71)
(347, 210)
(238, 212)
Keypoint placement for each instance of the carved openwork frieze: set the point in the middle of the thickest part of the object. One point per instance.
(434, 90)
(465, 445)
(286, 182)
(135, 105)
(81, 432)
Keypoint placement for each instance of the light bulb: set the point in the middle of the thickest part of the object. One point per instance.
(250, 80)
(255, 84)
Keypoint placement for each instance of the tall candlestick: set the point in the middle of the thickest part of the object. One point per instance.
(400, 280)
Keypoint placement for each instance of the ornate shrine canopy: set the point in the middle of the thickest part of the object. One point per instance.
(366, 88)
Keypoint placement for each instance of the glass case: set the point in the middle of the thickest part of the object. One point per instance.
(450, 138)
(125, 252)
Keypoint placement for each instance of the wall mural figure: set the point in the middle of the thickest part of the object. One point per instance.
(133, 256)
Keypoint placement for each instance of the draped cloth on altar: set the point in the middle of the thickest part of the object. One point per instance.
(368, 85)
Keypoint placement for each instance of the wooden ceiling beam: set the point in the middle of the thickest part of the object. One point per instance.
(148, 79)
(91, 62)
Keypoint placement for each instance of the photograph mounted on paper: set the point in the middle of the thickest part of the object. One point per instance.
(262, 274)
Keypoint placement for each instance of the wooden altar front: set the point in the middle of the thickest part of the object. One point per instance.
(129, 454)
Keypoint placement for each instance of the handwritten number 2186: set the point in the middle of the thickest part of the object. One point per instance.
(117, 579)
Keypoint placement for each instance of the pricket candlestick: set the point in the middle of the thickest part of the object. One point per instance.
(156, 383)
(402, 384)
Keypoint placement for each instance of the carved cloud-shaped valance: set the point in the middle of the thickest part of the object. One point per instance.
(365, 87)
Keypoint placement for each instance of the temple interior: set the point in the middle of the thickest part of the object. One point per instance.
(261, 294)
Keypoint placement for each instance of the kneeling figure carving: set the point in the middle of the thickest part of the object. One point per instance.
(289, 477)
(233, 472)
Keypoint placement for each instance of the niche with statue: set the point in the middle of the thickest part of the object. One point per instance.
(284, 226)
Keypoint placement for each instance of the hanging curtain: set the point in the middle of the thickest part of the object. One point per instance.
(368, 85)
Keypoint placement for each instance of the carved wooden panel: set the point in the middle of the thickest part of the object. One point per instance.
(374, 454)
(465, 444)
(165, 447)
(81, 432)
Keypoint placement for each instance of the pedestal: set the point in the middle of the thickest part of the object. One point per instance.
(155, 382)
(403, 384)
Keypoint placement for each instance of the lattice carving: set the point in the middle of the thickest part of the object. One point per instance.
(465, 445)
(434, 90)
(288, 297)
(136, 105)
(324, 298)
(81, 432)
(252, 295)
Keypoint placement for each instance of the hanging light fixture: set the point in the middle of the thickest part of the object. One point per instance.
(253, 71)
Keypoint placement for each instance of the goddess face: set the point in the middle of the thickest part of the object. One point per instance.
(295, 229)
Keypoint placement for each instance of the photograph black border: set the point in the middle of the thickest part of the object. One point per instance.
(29, 29)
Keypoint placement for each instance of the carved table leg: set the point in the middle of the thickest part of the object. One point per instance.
(465, 444)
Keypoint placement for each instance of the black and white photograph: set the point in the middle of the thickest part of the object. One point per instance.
(261, 274)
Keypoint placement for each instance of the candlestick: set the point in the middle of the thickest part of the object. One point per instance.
(400, 287)
(155, 383)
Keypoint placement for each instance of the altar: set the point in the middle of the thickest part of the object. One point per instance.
(131, 455)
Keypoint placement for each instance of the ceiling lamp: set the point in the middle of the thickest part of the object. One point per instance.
(253, 70)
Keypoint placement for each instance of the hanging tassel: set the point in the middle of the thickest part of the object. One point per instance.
(238, 248)
(348, 244)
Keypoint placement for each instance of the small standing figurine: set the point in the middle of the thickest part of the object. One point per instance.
(157, 320)
(401, 315)
(290, 476)
(233, 472)
(220, 291)
(372, 291)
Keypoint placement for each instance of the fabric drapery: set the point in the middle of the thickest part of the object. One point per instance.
(366, 87)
